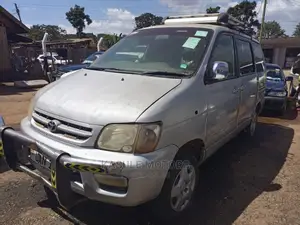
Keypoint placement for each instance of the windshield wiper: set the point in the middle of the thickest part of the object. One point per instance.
(110, 69)
(164, 74)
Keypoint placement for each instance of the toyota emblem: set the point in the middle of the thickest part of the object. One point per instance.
(52, 125)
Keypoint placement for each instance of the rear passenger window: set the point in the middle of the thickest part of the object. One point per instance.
(259, 57)
(245, 59)
(223, 52)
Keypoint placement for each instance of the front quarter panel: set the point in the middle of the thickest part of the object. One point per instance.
(182, 112)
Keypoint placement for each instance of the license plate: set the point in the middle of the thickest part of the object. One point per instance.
(40, 159)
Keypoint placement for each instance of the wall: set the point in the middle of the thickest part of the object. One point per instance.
(5, 64)
(279, 56)
(77, 55)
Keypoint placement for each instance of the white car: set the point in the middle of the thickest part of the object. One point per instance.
(53, 60)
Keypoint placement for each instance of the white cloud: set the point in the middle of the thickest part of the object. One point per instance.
(118, 21)
(286, 12)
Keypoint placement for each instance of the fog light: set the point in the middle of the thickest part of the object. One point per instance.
(114, 181)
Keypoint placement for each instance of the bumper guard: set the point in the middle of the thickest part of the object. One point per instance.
(62, 165)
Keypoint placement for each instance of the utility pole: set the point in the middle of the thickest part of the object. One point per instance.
(18, 12)
(263, 20)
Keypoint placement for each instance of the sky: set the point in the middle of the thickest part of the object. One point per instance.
(117, 16)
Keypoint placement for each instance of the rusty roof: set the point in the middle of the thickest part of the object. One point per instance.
(282, 42)
(11, 23)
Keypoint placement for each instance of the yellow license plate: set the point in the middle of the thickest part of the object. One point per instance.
(1, 149)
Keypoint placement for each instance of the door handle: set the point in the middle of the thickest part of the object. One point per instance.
(235, 90)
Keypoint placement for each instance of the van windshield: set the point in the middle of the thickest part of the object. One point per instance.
(157, 51)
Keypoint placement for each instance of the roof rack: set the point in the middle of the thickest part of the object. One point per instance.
(223, 19)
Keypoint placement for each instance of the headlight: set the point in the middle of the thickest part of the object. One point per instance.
(277, 94)
(129, 138)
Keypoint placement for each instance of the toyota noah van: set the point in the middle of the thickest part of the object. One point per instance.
(136, 125)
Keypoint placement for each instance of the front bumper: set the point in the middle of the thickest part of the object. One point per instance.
(74, 178)
(274, 103)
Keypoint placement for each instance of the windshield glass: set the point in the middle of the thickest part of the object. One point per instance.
(275, 75)
(163, 51)
(93, 57)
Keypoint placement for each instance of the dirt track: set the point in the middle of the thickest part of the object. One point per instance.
(247, 182)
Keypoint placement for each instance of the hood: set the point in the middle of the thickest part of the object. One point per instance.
(69, 68)
(98, 97)
(275, 85)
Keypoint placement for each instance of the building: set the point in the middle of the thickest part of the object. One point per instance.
(281, 51)
(10, 30)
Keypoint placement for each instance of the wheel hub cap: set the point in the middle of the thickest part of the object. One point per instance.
(182, 188)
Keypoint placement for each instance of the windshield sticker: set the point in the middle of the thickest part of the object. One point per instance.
(201, 33)
(163, 36)
(191, 42)
(183, 66)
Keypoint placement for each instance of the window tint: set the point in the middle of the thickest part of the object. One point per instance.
(245, 59)
(259, 57)
(223, 51)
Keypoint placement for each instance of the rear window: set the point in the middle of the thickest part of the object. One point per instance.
(259, 57)
(245, 59)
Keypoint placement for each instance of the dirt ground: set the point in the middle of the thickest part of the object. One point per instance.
(247, 182)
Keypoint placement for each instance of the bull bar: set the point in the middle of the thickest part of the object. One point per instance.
(62, 165)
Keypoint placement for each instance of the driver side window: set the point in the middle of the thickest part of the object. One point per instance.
(221, 63)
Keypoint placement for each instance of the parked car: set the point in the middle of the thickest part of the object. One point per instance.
(126, 131)
(88, 61)
(56, 60)
(276, 89)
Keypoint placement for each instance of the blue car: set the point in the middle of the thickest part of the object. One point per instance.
(88, 61)
(276, 89)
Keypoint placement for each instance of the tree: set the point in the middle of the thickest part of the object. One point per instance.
(245, 12)
(272, 29)
(213, 10)
(297, 31)
(78, 19)
(147, 20)
(37, 32)
(110, 39)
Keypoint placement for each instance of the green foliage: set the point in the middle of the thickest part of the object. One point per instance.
(297, 31)
(213, 9)
(147, 20)
(37, 32)
(245, 12)
(110, 39)
(78, 19)
(272, 29)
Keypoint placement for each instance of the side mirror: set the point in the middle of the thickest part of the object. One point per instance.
(220, 70)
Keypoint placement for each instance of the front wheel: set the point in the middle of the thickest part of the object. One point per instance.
(250, 130)
(179, 187)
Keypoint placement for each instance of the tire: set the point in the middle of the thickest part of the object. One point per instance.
(250, 130)
(184, 166)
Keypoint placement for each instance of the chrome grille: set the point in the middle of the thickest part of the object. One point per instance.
(63, 128)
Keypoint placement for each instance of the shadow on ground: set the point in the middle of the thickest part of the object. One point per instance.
(12, 90)
(230, 180)
(290, 114)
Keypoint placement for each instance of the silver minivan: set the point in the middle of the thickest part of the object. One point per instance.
(134, 127)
